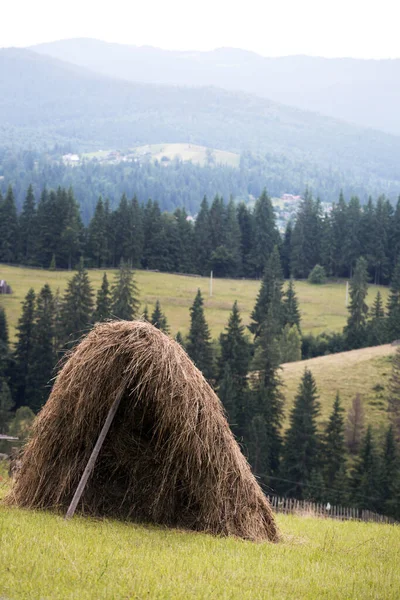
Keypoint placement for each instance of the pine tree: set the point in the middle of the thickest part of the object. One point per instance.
(186, 242)
(6, 405)
(376, 327)
(291, 306)
(286, 251)
(158, 319)
(290, 344)
(393, 306)
(306, 237)
(77, 307)
(179, 339)
(355, 425)
(233, 369)
(3, 327)
(124, 294)
(300, 454)
(202, 239)
(69, 242)
(366, 478)
(199, 345)
(394, 395)
(103, 302)
(246, 226)
(97, 242)
(28, 229)
(334, 450)
(391, 476)
(269, 299)
(265, 234)
(23, 351)
(356, 328)
(145, 315)
(9, 231)
(43, 356)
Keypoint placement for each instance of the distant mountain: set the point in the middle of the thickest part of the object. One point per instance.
(46, 101)
(364, 92)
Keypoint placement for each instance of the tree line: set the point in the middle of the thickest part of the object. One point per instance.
(338, 463)
(230, 239)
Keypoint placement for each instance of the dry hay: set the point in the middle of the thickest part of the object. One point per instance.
(169, 457)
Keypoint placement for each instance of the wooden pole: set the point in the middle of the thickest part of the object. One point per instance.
(95, 452)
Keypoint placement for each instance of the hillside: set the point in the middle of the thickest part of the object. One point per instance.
(101, 559)
(70, 105)
(365, 372)
(366, 92)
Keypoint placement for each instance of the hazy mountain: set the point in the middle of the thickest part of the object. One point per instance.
(365, 92)
(44, 100)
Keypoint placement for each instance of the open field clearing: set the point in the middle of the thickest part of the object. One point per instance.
(196, 154)
(43, 556)
(366, 371)
(322, 307)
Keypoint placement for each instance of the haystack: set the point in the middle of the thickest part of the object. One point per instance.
(169, 456)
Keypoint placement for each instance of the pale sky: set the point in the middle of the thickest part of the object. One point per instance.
(333, 28)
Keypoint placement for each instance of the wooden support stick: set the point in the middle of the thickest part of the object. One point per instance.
(95, 452)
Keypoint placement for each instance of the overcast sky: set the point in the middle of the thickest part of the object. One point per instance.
(357, 28)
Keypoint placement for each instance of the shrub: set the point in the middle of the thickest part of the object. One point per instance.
(317, 275)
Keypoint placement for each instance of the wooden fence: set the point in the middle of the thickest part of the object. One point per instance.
(343, 513)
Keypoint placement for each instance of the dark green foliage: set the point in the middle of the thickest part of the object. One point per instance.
(269, 299)
(393, 306)
(306, 237)
(334, 451)
(376, 326)
(103, 302)
(23, 350)
(43, 357)
(202, 238)
(9, 230)
(6, 405)
(291, 306)
(355, 425)
(356, 328)
(97, 238)
(301, 458)
(3, 328)
(265, 233)
(394, 395)
(317, 275)
(366, 477)
(390, 480)
(158, 318)
(233, 369)
(27, 229)
(76, 308)
(124, 294)
(290, 344)
(198, 344)
(179, 339)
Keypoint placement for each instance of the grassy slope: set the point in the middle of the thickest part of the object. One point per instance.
(42, 556)
(323, 307)
(348, 373)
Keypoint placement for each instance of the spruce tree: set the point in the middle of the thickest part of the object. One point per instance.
(286, 251)
(394, 395)
(158, 319)
(23, 351)
(199, 345)
(28, 229)
(103, 302)
(124, 294)
(302, 443)
(9, 230)
(265, 233)
(233, 369)
(393, 306)
(43, 356)
(246, 226)
(366, 478)
(3, 327)
(291, 306)
(6, 405)
(306, 237)
(97, 241)
(179, 339)
(290, 344)
(391, 476)
(334, 451)
(356, 329)
(269, 299)
(77, 307)
(376, 327)
(202, 239)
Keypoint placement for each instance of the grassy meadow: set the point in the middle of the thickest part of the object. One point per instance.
(322, 307)
(44, 557)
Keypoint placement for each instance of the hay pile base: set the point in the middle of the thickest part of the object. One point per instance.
(169, 457)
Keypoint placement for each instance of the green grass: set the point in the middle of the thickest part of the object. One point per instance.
(44, 557)
(322, 307)
(366, 371)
